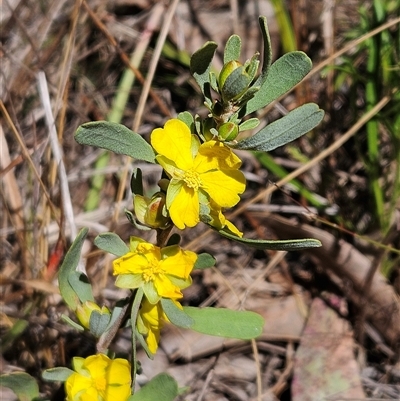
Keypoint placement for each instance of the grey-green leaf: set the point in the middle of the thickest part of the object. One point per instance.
(187, 118)
(267, 51)
(137, 182)
(277, 245)
(204, 261)
(288, 128)
(112, 243)
(98, 323)
(116, 138)
(161, 387)
(68, 269)
(59, 374)
(22, 384)
(223, 322)
(251, 123)
(232, 49)
(80, 284)
(175, 315)
(200, 65)
(282, 76)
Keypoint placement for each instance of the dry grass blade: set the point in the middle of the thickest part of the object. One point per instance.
(347, 263)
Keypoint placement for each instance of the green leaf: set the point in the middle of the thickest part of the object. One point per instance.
(251, 123)
(22, 384)
(221, 322)
(282, 76)
(187, 118)
(232, 49)
(276, 245)
(200, 65)
(267, 51)
(204, 261)
(288, 128)
(116, 138)
(237, 81)
(161, 387)
(73, 324)
(59, 374)
(67, 271)
(137, 182)
(98, 323)
(112, 243)
(80, 284)
(175, 315)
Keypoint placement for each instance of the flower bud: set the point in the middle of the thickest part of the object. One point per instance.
(227, 70)
(84, 311)
(228, 131)
(208, 123)
(151, 212)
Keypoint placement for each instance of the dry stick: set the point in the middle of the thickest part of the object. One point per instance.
(336, 145)
(258, 369)
(27, 156)
(144, 94)
(124, 57)
(67, 61)
(57, 153)
(345, 49)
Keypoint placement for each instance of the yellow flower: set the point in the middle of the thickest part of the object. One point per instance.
(198, 172)
(99, 378)
(219, 221)
(151, 319)
(161, 272)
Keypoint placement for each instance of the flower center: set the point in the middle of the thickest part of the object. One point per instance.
(100, 383)
(152, 271)
(192, 179)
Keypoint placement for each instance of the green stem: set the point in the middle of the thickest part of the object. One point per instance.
(134, 314)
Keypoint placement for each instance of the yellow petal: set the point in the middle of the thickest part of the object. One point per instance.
(119, 372)
(224, 155)
(131, 263)
(75, 384)
(223, 187)
(166, 289)
(184, 209)
(179, 265)
(174, 142)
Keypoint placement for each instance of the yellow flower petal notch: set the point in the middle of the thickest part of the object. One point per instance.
(161, 272)
(197, 171)
(150, 321)
(99, 378)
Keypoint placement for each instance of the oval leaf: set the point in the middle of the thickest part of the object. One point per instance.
(267, 51)
(98, 323)
(59, 374)
(251, 123)
(116, 138)
(200, 65)
(243, 325)
(137, 182)
(175, 315)
(276, 245)
(204, 261)
(232, 49)
(22, 384)
(112, 243)
(161, 387)
(282, 76)
(290, 127)
(80, 284)
(68, 276)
